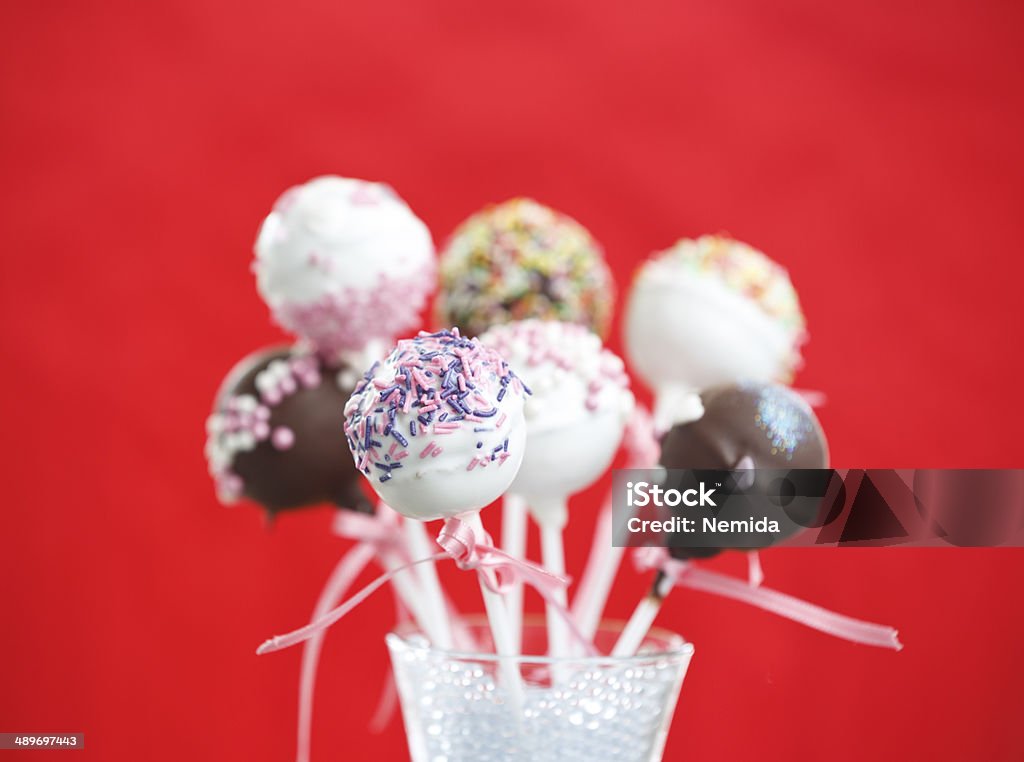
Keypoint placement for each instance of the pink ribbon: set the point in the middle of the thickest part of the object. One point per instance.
(469, 551)
(375, 534)
(685, 574)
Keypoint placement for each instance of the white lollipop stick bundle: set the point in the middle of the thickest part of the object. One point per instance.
(578, 406)
(706, 312)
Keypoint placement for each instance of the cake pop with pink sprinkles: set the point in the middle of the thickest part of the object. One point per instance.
(342, 262)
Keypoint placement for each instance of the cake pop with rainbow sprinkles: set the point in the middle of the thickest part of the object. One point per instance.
(342, 262)
(710, 311)
(520, 259)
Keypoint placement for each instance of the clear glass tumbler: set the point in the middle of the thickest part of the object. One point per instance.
(459, 706)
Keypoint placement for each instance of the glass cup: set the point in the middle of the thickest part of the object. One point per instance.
(460, 706)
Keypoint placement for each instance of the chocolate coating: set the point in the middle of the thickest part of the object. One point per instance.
(301, 458)
(767, 423)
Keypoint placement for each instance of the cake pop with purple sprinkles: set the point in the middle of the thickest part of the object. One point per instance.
(273, 434)
(437, 427)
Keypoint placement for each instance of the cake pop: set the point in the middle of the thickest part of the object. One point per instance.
(273, 435)
(342, 262)
(706, 312)
(519, 260)
(437, 427)
(438, 430)
(747, 425)
(743, 426)
(575, 415)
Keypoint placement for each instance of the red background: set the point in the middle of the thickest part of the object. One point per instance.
(873, 148)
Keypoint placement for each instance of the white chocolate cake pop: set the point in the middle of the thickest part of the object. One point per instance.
(341, 262)
(578, 406)
(711, 311)
(438, 427)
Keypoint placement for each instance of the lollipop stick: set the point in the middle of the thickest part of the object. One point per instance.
(602, 564)
(434, 606)
(553, 555)
(513, 542)
(643, 617)
(501, 633)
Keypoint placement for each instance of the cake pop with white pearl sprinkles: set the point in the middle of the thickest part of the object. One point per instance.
(437, 427)
(341, 262)
(576, 412)
(518, 260)
(710, 311)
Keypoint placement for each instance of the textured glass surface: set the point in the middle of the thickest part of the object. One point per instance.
(460, 708)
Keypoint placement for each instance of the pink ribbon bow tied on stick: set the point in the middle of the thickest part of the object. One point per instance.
(471, 550)
(474, 550)
(686, 574)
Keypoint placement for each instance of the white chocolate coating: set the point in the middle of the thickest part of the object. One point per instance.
(341, 261)
(438, 426)
(712, 311)
(577, 410)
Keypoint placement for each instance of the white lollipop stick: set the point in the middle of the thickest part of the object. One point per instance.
(551, 515)
(674, 405)
(513, 542)
(643, 617)
(435, 609)
(602, 565)
(501, 629)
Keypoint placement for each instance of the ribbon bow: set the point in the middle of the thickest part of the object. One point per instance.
(471, 551)
(685, 574)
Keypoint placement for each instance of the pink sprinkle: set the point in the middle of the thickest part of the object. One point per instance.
(462, 384)
(427, 449)
(437, 452)
(282, 438)
(428, 408)
(501, 420)
(472, 465)
(394, 446)
(474, 418)
(402, 454)
(380, 383)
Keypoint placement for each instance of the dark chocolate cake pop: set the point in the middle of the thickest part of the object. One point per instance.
(746, 425)
(276, 433)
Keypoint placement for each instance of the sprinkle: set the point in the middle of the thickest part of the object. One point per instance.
(426, 450)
